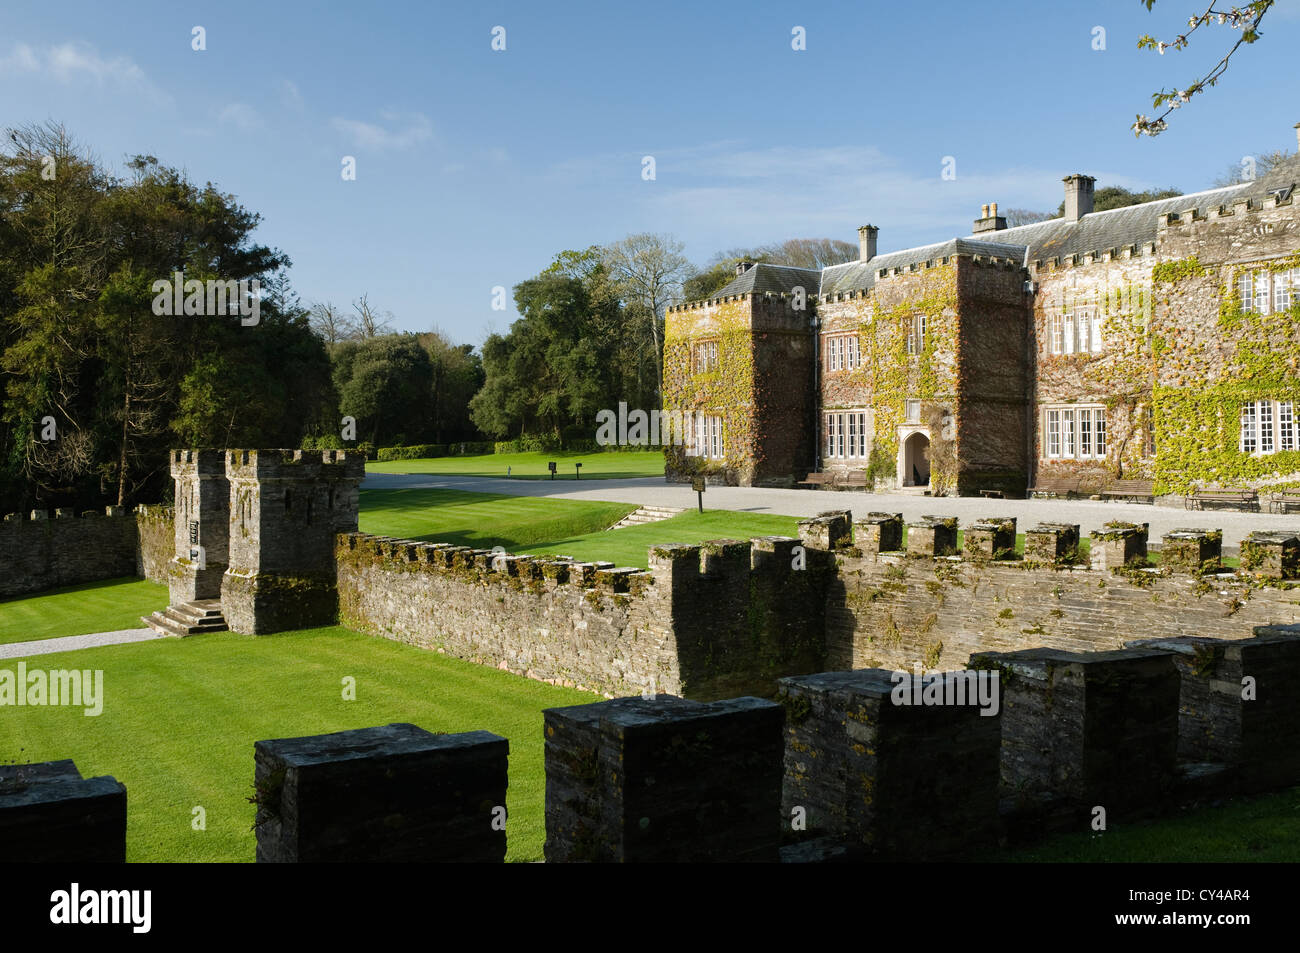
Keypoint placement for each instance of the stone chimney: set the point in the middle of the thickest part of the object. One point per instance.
(989, 220)
(742, 267)
(1078, 196)
(867, 242)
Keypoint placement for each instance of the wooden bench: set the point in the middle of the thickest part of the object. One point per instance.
(1281, 499)
(816, 480)
(854, 478)
(1239, 496)
(1056, 486)
(992, 494)
(1131, 489)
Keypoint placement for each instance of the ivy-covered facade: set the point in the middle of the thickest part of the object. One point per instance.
(1159, 341)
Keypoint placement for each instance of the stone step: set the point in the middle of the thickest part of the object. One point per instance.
(647, 514)
(188, 618)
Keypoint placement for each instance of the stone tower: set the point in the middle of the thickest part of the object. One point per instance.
(202, 525)
(286, 506)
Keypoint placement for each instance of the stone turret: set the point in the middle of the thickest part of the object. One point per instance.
(286, 506)
(202, 525)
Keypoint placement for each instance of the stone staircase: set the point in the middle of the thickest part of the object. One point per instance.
(188, 618)
(647, 514)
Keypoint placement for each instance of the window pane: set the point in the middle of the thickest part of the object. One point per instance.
(1096, 332)
(1244, 290)
(1084, 325)
(1053, 433)
(1085, 433)
(1265, 426)
(1099, 431)
(1248, 428)
(1067, 433)
(1261, 292)
(1286, 425)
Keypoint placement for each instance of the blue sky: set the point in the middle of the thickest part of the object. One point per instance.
(475, 167)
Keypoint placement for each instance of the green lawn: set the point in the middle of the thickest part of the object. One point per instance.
(181, 716)
(576, 528)
(78, 610)
(1260, 829)
(532, 466)
(482, 520)
(630, 546)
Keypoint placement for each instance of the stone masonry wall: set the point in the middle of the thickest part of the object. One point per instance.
(899, 611)
(156, 542)
(66, 550)
(704, 622)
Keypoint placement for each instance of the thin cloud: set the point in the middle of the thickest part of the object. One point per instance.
(289, 94)
(242, 116)
(76, 63)
(401, 131)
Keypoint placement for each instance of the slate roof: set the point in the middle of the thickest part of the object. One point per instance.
(1095, 232)
(861, 275)
(1135, 224)
(779, 279)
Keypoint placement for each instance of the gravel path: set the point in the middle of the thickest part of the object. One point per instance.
(653, 491)
(73, 642)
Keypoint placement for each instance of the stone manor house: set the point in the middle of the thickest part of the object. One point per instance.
(1159, 341)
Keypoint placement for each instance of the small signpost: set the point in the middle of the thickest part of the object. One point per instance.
(697, 484)
(194, 540)
(577, 468)
(551, 466)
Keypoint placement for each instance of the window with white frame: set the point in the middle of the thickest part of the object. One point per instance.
(1267, 426)
(916, 335)
(911, 411)
(706, 357)
(1075, 432)
(706, 437)
(1076, 332)
(1286, 289)
(847, 435)
(842, 352)
(1268, 292)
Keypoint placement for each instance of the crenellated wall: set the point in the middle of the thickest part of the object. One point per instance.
(705, 621)
(723, 618)
(46, 551)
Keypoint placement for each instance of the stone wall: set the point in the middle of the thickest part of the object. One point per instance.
(897, 611)
(156, 542)
(706, 622)
(57, 549)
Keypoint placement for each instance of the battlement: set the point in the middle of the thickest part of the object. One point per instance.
(1180, 220)
(285, 464)
(1096, 256)
(66, 513)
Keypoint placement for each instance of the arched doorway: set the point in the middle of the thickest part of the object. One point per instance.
(916, 461)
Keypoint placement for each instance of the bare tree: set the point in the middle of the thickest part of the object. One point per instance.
(1025, 216)
(649, 270)
(1252, 167)
(370, 322)
(332, 323)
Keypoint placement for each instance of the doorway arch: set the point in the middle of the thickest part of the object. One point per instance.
(915, 460)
